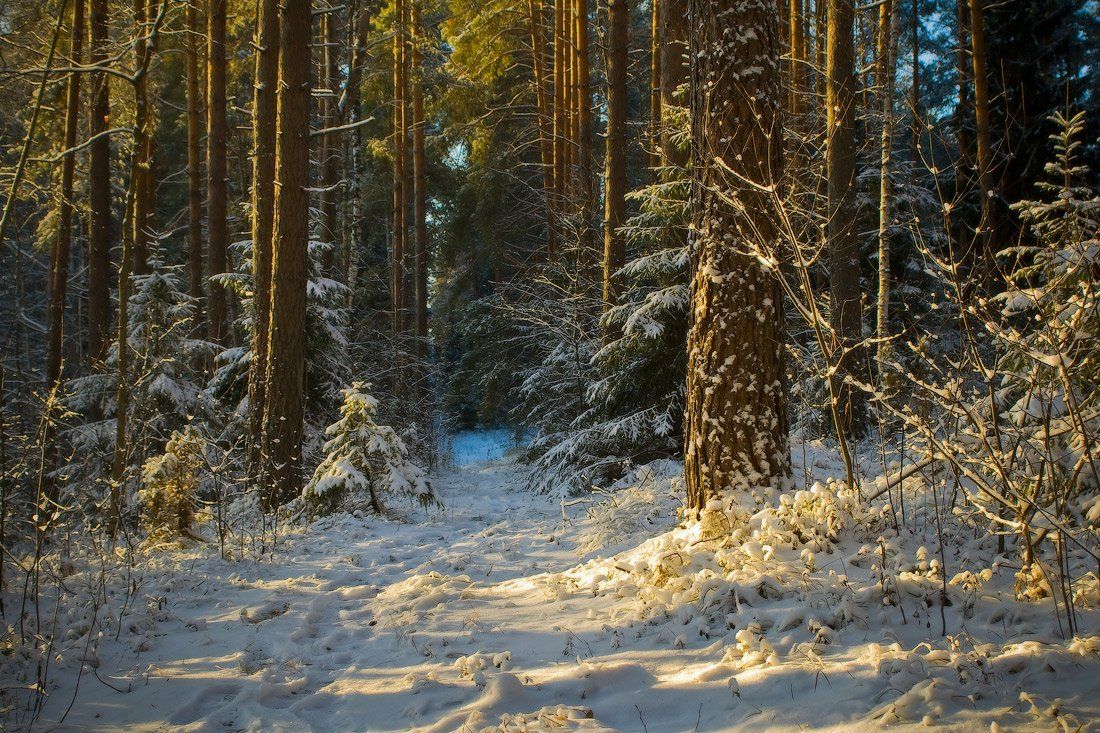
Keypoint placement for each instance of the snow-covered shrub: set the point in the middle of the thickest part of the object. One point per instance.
(164, 376)
(170, 485)
(363, 462)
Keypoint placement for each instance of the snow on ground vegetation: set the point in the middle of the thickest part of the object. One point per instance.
(504, 610)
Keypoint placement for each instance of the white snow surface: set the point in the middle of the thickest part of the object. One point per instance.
(494, 613)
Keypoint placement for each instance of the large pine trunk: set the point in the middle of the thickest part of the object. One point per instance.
(614, 247)
(263, 202)
(59, 261)
(100, 219)
(735, 423)
(216, 171)
(844, 270)
(282, 443)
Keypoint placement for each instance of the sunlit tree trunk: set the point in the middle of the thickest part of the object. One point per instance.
(674, 73)
(614, 246)
(59, 260)
(986, 182)
(735, 423)
(282, 439)
(194, 156)
(100, 218)
(141, 174)
(584, 126)
(655, 84)
(329, 144)
(545, 121)
(843, 246)
(420, 189)
(400, 175)
(886, 188)
(264, 110)
(217, 226)
(560, 120)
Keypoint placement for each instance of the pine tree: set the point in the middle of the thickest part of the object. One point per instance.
(735, 434)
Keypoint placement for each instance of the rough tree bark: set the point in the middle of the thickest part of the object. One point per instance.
(194, 157)
(216, 172)
(674, 73)
(420, 190)
(99, 189)
(59, 260)
(844, 271)
(886, 187)
(614, 246)
(655, 84)
(986, 183)
(282, 438)
(264, 110)
(735, 423)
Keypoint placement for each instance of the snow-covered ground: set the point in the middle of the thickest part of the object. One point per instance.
(496, 613)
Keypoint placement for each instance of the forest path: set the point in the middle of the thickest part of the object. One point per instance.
(347, 627)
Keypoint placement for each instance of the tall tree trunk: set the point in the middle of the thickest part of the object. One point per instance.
(141, 176)
(797, 76)
(886, 188)
(584, 127)
(420, 189)
(844, 270)
(330, 157)
(655, 84)
(264, 111)
(216, 174)
(400, 177)
(282, 444)
(560, 120)
(614, 246)
(194, 47)
(100, 218)
(59, 261)
(735, 422)
(674, 73)
(545, 124)
(986, 182)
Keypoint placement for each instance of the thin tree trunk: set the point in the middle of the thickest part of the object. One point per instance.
(844, 270)
(330, 159)
(545, 124)
(674, 74)
(216, 174)
(99, 189)
(614, 246)
(282, 444)
(559, 118)
(584, 127)
(59, 263)
(655, 84)
(420, 189)
(735, 422)
(194, 47)
(796, 79)
(141, 175)
(400, 179)
(886, 188)
(986, 183)
(264, 111)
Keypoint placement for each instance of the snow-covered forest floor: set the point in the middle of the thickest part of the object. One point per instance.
(495, 612)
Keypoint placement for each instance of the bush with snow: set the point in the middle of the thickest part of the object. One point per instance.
(363, 462)
(169, 487)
